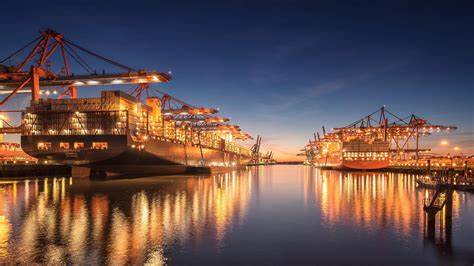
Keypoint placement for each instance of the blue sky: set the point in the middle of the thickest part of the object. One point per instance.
(282, 69)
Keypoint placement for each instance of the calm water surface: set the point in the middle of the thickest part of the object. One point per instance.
(292, 215)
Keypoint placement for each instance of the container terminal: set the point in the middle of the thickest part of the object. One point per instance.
(142, 131)
(258, 158)
(378, 140)
(146, 131)
(384, 141)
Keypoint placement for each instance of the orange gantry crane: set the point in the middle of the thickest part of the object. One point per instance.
(14, 78)
(200, 118)
(33, 72)
(256, 150)
(28, 70)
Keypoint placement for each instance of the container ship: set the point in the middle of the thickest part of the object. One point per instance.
(118, 134)
(372, 142)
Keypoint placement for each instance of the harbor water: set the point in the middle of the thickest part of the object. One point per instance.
(266, 215)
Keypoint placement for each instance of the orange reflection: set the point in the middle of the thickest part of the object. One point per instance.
(198, 207)
(369, 200)
(133, 221)
(119, 239)
(5, 228)
(79, 230)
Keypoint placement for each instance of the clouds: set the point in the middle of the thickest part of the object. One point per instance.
(303, 99)
(298, 111)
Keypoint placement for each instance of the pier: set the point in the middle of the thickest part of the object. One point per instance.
(440, 205)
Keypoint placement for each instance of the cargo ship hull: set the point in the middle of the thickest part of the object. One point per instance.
(365, 165)
(122, 156)
(355, 155)
(336, 163)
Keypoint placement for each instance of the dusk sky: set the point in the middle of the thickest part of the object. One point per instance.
(281, 69)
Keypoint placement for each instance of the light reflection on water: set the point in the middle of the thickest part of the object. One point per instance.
(270, 215)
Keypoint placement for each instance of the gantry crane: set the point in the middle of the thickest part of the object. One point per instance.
(268, 157)
(15, 79)
(257, 156)
(256, 150)
(28, 70)
(200, 118)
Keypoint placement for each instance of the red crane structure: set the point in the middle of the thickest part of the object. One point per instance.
(32, 72)
(14, 78)
(196, 117)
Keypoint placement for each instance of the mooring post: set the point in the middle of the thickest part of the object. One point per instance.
(428, 168)
(431, 224)
(466, 170)
(448, 211)
(448, 214)
(451, 176)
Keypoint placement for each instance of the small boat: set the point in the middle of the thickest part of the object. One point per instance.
(427, 181)
(466, 184)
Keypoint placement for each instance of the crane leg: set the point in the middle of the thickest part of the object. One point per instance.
(73, 92)
(35, 85)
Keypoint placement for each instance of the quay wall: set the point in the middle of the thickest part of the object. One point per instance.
(33, 170)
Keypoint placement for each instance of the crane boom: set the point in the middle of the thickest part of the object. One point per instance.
(91, 80)
(34, 71)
